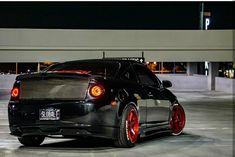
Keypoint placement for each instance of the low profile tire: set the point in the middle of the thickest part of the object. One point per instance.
(178, 119)
(31, 140)
(129, 128)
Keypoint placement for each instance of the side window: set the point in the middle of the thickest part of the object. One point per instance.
(129, 75)
(145, 76)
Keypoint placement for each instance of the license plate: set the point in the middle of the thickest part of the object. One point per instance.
(49, 114)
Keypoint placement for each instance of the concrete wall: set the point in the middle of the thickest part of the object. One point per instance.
(6, 81)
(224, 84)
(184, 82)
(179, 82)
(38, 45)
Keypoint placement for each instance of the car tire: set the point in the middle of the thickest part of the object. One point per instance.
(31, 140)
(178, 120)
(129, 128)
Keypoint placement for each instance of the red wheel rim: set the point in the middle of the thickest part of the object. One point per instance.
(177, 120)
(132, 126)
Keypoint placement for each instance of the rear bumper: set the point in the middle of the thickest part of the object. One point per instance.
(65, 130)
(76, 119)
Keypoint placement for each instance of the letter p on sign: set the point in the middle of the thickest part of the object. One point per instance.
(207, 23)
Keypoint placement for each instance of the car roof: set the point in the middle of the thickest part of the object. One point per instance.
(123, 64)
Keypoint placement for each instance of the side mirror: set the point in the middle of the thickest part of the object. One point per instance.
(166, 83)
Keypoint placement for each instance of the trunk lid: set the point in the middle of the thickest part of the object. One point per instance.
(54, 86)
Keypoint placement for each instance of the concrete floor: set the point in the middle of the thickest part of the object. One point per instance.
(208, 132)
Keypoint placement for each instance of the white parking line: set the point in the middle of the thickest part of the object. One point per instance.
(4, 132)
(7, 140)
(224, 128)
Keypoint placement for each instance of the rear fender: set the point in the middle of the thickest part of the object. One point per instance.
(124, 105)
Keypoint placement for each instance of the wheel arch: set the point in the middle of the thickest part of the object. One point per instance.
(124, 105)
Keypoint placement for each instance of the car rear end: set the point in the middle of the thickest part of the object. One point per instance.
(63, 101)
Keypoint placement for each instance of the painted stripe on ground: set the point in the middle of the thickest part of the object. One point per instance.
(224, 128)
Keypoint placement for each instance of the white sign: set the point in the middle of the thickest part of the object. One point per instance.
(207, 23)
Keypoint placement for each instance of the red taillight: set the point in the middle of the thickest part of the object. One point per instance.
(96, 90)
(15, 92)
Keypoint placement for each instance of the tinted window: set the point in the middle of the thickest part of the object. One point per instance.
(145, 76)
(87, 67)
(129, 75)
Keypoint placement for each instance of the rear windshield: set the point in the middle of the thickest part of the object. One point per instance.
(108, 69)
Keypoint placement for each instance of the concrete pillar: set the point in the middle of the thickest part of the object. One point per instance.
(213, 72)
(191, 68)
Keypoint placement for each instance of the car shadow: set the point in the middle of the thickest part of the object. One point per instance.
(185, 139)
(81, 144)
(91, 144)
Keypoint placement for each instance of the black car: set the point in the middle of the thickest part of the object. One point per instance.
(114, 99)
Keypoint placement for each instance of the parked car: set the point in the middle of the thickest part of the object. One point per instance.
(114, 99)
